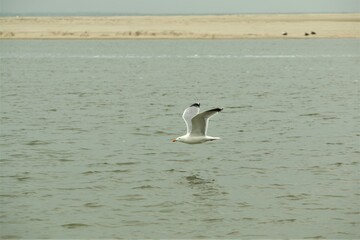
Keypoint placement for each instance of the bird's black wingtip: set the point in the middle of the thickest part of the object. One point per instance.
(215, 110)
(195, 105)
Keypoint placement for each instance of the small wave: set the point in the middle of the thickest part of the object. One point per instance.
(335, 143)
(118, 171)
(92, 205)
(37, 142)
(334, 196)
(315, 237)
(132, 197)
(213, 220)
(286, 220)
(309, 114)
(294, 197)
(90, 172)
(163, 133)
(145, 187)
(164, 204)
(9, 195)
(136, 223)
(194, 180)
(126, 163)
(75, 225)
(65, 160)
(10, 237)
(243, 204)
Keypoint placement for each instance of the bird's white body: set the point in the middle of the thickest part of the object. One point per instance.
(197, 124)
(187, 138)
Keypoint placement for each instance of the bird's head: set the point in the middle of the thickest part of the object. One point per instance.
(178, 139)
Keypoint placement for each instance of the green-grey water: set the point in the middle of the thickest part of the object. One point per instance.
(86, 129)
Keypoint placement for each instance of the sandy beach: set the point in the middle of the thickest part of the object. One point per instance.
(183, 27)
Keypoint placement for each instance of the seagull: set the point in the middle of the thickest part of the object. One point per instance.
(197, 124)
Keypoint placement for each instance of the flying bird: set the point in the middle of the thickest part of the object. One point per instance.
(197, 124)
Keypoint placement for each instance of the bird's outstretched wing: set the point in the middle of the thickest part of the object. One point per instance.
(200, 122)
(189, 114)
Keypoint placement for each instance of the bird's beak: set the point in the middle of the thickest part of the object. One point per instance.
(174, 140)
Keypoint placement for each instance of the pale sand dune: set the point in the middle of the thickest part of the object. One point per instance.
(178, 27)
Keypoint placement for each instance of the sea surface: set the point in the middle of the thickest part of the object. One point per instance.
(86, 129)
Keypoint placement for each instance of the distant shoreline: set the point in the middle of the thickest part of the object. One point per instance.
(244, 26)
